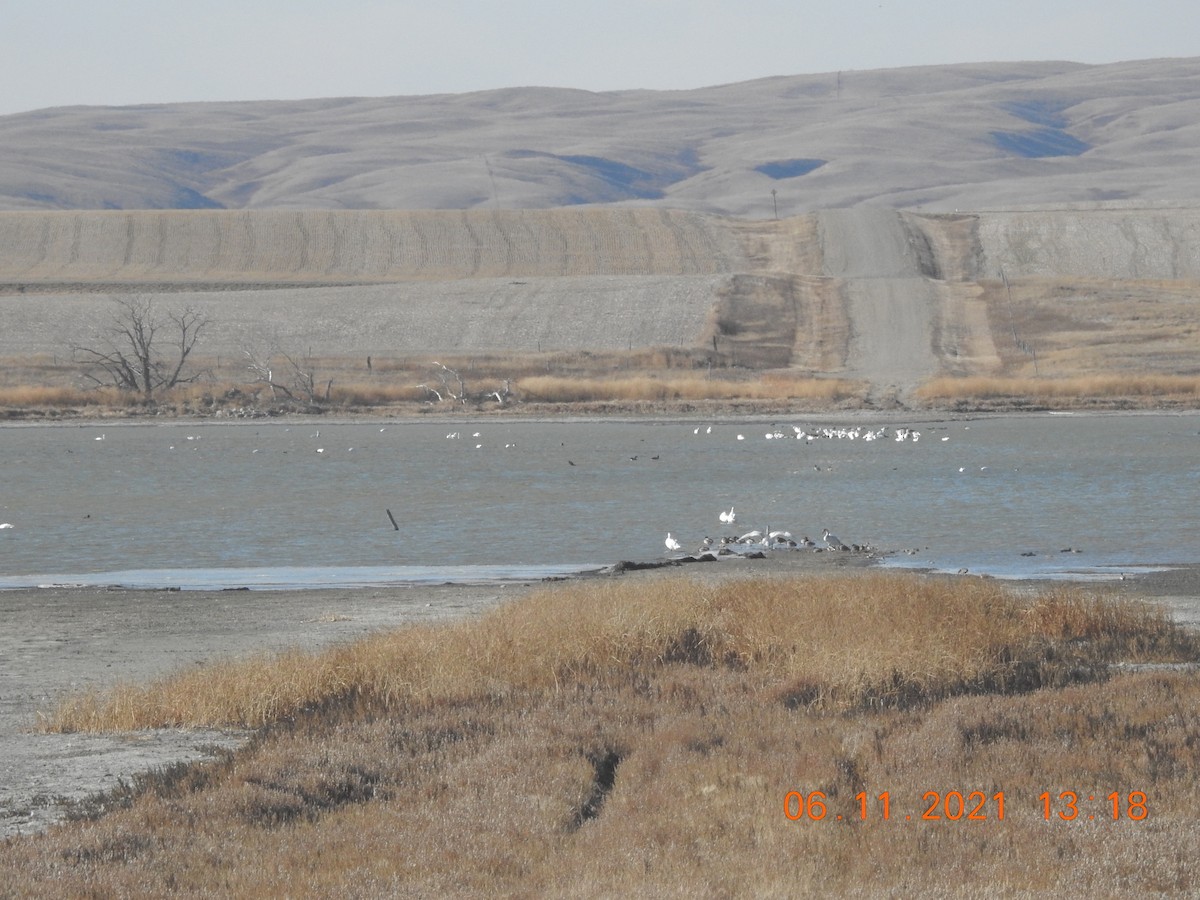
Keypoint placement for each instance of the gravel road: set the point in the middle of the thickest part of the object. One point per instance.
(890, 305)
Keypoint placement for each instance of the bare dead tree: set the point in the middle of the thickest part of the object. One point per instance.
(304, 378)
(451, 386)
(445, 375)
(507, 393)
(285, 374)
(142, 350)
(264, 372)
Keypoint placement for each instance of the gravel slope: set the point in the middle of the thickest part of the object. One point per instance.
(865, 293)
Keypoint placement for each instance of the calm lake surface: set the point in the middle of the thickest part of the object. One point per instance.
(265, 504)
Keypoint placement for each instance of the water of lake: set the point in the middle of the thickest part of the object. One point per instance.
(265, 504)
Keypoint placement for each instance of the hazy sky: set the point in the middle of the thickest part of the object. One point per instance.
(116, 52)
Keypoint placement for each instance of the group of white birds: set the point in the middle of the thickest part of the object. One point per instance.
(766, 539)
(775, 540)
(858, 432)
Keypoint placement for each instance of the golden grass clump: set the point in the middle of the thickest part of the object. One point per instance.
(865, 640)
(31, 395)
(367, 393)
(649, 735)
(225, 385)
(1048, 390)
(574, 389)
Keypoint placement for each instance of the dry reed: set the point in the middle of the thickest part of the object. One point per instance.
(1185, 387)
(366, 393)
(643, 375)
(878, 639)
(29, 395)
(559, 389)
(642, 736)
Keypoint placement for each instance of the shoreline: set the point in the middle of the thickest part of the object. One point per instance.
(59, 641)
(632, 411)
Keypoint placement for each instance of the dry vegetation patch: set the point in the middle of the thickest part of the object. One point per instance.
(1133, 391)
(481, 382)
(1094, 327)
(868, 641)
(640, 735)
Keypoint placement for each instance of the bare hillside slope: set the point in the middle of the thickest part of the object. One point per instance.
(972, 136)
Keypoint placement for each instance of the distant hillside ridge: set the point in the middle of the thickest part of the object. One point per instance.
(933, 139)
(202, 246)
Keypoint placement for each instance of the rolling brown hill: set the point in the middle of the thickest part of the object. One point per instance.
(983, 136)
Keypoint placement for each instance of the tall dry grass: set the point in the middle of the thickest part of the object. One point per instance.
(870, 640)
(661, 375)
(560, 389)
(639, 738)
(29, 395)
(373, 393)
(1049, 390)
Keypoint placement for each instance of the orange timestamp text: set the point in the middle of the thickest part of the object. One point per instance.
(965, 806)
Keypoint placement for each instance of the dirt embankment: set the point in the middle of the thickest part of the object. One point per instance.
(887, 297)
(212, 247)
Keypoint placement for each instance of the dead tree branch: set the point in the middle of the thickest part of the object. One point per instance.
(294, 378)
(129, 352)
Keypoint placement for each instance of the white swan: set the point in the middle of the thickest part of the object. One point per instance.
(671, 543)
(728, 517)
(832, 540)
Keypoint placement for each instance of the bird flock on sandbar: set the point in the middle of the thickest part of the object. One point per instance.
(781, 539)
(765, 539)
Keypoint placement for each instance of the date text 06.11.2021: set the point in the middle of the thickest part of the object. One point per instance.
(967, 806)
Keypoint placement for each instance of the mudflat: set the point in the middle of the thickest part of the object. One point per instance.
(59, 641)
